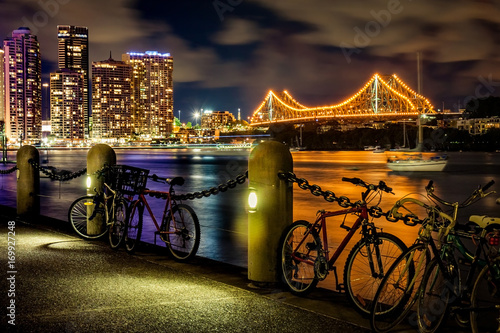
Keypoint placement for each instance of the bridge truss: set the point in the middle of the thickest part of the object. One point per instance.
(384, 97)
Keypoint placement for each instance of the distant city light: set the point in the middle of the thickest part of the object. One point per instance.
(149, 53)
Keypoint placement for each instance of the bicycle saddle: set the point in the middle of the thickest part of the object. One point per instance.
(484, 221)
(177, 181)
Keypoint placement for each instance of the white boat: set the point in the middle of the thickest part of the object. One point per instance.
(243, 145)
(416, 162)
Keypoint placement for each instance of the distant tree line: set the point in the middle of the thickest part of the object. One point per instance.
(391, 136)
(483, 107)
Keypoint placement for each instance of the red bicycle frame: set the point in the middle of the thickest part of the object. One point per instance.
(320, 223)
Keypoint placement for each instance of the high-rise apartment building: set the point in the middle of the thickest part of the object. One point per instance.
(23, 87)
(66, 104)
(152, 93)
(216, 119)
(2, 90)
(73, 54)
(111, 100)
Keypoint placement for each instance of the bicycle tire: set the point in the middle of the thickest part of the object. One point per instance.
(438, 291)
(118, 225)
(360, 283)
(82, 211)
(484, 297)
(183, 238)
(299, 277)
(396, 294)
(134, 226)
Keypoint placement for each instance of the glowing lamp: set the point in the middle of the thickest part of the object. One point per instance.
(252, 201)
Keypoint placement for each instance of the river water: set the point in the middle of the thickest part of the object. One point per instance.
(223, 217)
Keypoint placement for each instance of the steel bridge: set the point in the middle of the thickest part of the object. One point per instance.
(384, 97)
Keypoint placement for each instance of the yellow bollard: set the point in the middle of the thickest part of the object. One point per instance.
(28, 182)
(270, 208)
(97, 157)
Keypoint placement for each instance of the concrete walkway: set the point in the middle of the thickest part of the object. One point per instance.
(65, 284)
(61, 283)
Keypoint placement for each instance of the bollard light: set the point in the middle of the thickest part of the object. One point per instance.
(252, 201)
(89, 182)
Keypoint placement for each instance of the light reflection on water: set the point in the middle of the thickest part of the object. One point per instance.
(223, 217)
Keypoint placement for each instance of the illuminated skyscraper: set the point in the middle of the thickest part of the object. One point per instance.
(2, 89)
(66, 104)
(23, 87)
(111, 100)
(152, 93)
(73, 53)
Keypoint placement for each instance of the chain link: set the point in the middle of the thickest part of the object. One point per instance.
(316, 190)
(232, 183)
(65, 175)
(374, 211)
(7, 171)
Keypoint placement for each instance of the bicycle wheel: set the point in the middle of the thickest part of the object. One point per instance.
(438, 290)
(398, 290)
(183, 232)
(298, 271)
(118, 225)
(134, 226)
(360, 280)
(87, 217)
(485, 299)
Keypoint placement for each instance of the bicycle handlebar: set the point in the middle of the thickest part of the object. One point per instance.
(395, 214)
(356, 181)
(487, 186)
(479, 192)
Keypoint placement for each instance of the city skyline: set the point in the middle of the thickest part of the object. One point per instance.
(230, 53)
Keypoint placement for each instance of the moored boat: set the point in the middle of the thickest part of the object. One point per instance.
(416, 162)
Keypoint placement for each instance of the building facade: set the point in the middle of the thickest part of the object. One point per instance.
(2, 89)
(67, 111)
(217, 120)
(477, 126)
(152, 93)
(23, 87)
(111, 101)
(73, 54)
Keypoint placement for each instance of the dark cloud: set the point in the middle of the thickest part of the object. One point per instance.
(321, 51)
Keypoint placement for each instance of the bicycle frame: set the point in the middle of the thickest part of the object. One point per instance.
(169, 204)
(320, 224)
(105, 199)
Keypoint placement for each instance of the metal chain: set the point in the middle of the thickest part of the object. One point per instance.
(374, 211)
(65, 175)
(240, 179)
(6, 172)
(316, 190)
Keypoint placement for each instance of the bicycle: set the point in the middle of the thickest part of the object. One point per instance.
(416, 274)
(305, 259)
(441, 295)
(179, 228)
(129, 180)
(92, 216)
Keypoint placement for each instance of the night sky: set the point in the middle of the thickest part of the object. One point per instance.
(229, 53)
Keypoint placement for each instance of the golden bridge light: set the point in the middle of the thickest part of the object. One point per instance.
(392, 96)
